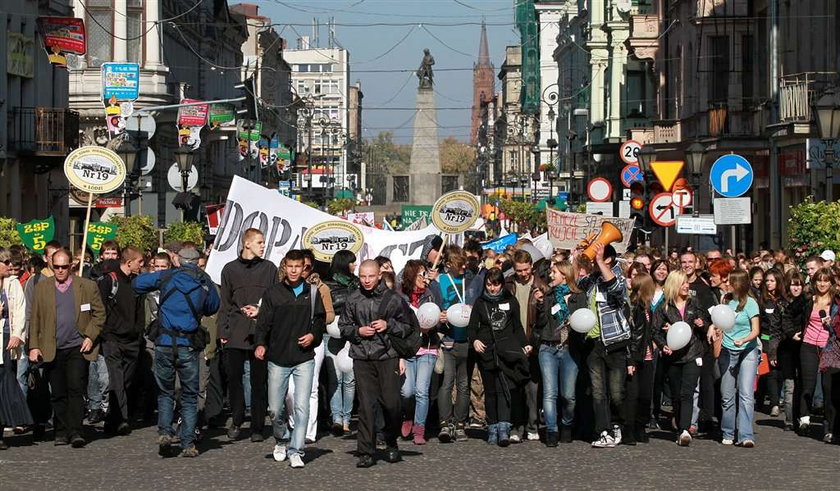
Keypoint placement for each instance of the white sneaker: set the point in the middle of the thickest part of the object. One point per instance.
(727, 441)
(515, 439)
(685, 439)
(295, 461)
(617, 434)
(605, 441)
(805, 421)
(279, 453)
(533, 437)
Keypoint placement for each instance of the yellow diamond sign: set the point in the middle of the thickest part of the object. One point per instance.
(667, 171)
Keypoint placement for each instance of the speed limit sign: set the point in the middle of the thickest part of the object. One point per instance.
(629, 151)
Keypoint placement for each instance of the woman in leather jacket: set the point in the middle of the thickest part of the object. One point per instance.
(341, 387)
(772, 304)
(784, 349)
(683, 365)
(642, 350)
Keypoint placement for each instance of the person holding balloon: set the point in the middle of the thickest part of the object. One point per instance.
(496, 334)
(738, 360)
(418, 370)
(679, 327)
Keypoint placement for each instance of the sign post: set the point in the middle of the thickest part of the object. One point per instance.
(95, 170)
(731, 176)
(453, 213)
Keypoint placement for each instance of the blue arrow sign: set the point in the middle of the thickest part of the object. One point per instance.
(731, 176)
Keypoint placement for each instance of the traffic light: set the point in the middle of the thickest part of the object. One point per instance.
(249, 86)
(637, 200)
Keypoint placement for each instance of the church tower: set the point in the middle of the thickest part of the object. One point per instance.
(484, 78)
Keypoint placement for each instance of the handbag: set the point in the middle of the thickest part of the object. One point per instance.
(830, 356)
(763, 365)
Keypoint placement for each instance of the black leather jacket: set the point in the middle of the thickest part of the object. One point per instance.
(667, 313)
(641, 337)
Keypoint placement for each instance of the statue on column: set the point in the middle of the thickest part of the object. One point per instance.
(424, 73)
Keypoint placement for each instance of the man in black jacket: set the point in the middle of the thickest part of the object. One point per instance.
(370, 317)
(244, 281)
(291, 323)
(122, 333)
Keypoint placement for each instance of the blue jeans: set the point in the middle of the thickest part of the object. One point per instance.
(246, 383)
(342, 395)
(98, 383)
(559, 375)
(418, 377)
(278, 384)
(186, 367)
(738, 370)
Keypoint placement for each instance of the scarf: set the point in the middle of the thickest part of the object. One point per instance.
(492, 298)
(562, 314)
(414, 297)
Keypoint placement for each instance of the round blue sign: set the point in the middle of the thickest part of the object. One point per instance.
(731, 176)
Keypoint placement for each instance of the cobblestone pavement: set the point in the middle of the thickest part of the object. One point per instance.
(781, 460)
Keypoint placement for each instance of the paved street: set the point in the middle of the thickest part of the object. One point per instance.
(780, 460)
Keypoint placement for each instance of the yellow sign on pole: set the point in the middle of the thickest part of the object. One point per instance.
(667, 172)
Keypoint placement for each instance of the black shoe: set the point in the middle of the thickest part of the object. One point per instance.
(337, 429)
(551, 438)
(61, 440)
(565, 434)
(393, 455)
(257, 437)
(77, 441)
(233, 433)
(96, 416)
(365, 461)
(641, 434)
(164, 445)
(124, 429)
(3, 445)
(38, 433)
(445, 435)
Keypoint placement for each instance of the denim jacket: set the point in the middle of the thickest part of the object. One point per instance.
(612, 311)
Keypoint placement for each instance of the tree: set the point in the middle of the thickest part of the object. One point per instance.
(394, 158)
(137, 230)
(813, 227)
(8, 232)
(456, 157)
(185, 232)
(339, 206)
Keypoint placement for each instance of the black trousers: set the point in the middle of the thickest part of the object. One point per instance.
(68, 374)
(235, 368)
(501, 396)
(708, 407)
(639, 393)
(377, 383)
(121, 359)
(683, 378)
(809, 358)
(214, 394)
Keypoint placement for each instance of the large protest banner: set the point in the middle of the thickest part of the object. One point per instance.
(284, 221)
(566, 230)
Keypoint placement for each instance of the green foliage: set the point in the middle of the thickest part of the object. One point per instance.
(138, 231)
(394, 158)
(523, 213)
(8, 233)
(340, 205)
(185, 232)
(813, 227)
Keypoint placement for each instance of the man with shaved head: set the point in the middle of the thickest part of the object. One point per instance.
(372, 314)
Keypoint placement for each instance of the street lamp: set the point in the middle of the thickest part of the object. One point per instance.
(694, 156)
(184, 158)
(128, 153)
(827, 110)
(647, 155)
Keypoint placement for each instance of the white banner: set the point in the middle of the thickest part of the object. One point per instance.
(566, 230)
(284, 221)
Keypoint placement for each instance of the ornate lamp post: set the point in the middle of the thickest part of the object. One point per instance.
(827, 110)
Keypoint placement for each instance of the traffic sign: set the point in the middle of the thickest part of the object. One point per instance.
(667, 171)
(631, 173)
(731, 176)
(599, 208)
(662, 210)
(701, 225)
(629, 152)
(147, 166)
(682, 198)
(173, 177)
(599, 189)
(733, 211)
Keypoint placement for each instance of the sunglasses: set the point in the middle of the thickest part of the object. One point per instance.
(61, 266)
(7, 262)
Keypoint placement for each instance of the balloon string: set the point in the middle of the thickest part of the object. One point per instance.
(460, 297)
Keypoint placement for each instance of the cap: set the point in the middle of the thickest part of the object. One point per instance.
(173, 246)
(189, 254)
(828, 255)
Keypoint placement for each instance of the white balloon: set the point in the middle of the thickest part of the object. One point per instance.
(582, 320)
(428, 315)
(723, 317)
(332, 329)
(458, 314)
(545, 248)
(343, 361)
(679, 335)
(535, 253)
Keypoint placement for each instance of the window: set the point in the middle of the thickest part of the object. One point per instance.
(318, 86)
(302, 68)
(134, 31)
(448, 183)
(401, 189)
(100, 26)
(747, 67)
(302, 87)
(719, 73)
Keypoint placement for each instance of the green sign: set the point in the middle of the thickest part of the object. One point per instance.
(37, 233)
(412, 213)
(222, 115)
(98, 233)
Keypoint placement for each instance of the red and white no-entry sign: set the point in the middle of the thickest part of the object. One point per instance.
(599, 189)
(663, 210)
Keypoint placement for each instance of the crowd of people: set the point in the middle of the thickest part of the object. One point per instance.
(149, 337)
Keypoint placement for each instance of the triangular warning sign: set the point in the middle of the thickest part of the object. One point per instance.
(667, 171)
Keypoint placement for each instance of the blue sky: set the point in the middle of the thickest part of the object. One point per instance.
(455, 24)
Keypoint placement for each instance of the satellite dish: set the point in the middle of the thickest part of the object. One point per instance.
(73, 62)
(149, 164)
(141, 122)
(174, 178)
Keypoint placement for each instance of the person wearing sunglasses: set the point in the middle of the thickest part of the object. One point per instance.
(67, 317)
(13, 409)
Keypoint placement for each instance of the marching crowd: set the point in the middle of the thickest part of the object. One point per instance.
(523, 345)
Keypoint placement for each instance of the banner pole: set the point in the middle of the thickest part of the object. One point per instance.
(84, 234)
(440, 253)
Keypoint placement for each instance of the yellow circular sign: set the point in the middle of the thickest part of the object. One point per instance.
(94, 169)
(455, 212)
(325, 239)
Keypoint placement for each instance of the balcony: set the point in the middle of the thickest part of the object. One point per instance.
(663, 131)
(43, 131)
(644, 36)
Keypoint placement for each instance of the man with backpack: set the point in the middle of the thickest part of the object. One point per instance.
(186, 295)
(375, 321)
(122, 333)
(290, 324)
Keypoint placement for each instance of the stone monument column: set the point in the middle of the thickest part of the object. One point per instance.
(424, 168)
